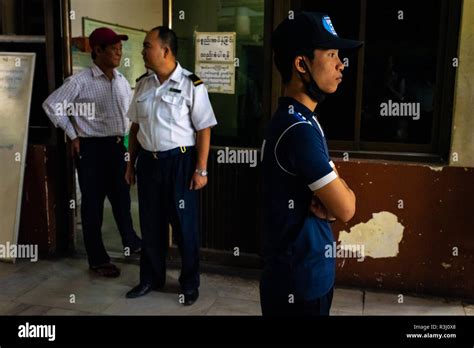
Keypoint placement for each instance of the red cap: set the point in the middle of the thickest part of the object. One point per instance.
(105, 36)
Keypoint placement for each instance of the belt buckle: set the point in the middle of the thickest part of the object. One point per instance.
(155, 155)
(183, 149)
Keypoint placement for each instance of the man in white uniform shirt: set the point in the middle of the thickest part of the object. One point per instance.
(170, 134)
(98, 99)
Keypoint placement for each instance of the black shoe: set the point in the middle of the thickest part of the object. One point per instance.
(190, 297)
(139, 290)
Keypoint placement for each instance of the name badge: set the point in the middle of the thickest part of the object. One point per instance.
(174, 90)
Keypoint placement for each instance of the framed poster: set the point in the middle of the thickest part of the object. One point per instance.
(80, 61)
(215, 61)
(132, 66)
(16, 84)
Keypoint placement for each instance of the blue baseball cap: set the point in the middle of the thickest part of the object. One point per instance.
(309, 30)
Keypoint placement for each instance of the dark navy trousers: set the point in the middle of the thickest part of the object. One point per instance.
(274, 304)
(101, 171)
(165, 198)
(279, 295)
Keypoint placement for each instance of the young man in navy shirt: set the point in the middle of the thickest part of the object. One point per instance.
(303, 192)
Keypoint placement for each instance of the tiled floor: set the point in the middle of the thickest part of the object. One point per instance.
(65, 287)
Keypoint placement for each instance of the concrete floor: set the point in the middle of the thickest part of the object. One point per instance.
(65, 287)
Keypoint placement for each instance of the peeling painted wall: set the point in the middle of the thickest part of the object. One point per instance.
(463, 120)
(380, 236)
(417, 227)
(433, 204)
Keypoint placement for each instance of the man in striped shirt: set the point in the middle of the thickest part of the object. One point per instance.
(91, 108)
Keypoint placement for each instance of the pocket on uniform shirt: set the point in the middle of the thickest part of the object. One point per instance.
(176, 100)
(144, 107)
(173, 106)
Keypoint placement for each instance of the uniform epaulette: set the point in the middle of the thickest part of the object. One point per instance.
(196, 80)
(144, 75)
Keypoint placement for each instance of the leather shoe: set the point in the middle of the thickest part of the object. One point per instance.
(139, 290)
(190, 297)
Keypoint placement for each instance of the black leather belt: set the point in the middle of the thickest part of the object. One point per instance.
(117, 139)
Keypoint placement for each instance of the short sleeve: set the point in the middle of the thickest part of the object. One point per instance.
(202, 114)
(303, 151)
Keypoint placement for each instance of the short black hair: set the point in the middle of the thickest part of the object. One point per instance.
(93, 54)
(284, 61)
(169, 38)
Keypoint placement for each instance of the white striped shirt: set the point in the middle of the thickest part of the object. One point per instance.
(88, 104)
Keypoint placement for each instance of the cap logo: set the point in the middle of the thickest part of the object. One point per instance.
(327, 24)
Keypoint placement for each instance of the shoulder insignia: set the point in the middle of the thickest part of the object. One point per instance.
(196, 80)
(144, 75)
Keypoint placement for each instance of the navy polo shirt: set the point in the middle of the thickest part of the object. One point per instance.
(295, 163)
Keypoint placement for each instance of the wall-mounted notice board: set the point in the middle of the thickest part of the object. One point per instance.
(16, 84)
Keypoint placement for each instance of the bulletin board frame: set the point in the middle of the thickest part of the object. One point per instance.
(14, 139)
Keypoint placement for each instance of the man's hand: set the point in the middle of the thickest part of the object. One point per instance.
(75, 147)
(130, 174)
(198, 182)
(319, 210)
